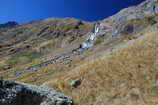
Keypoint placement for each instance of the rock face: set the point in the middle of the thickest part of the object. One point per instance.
(140, 11)
(14, 93)
(146, 8)
(8, 25)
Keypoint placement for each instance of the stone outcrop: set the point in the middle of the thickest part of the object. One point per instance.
(140, 11)
(146, 8)
(15, 93)
(8, 25)
(43, 64)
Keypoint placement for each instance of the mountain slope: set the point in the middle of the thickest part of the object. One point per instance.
(35, 33)
(125, 76)
(119, 68)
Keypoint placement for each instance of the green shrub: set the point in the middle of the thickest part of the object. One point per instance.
(24, 57)
(99, 40)
(1, 68)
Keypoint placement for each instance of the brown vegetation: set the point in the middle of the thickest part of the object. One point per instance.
(125, 76)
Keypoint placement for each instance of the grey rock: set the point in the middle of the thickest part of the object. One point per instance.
(43, 64)
(15, 93)
(8, 25)
(146, 8)
(6, 67)
(75, 83)
(140, 11)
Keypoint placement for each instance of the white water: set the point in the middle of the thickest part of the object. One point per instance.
(90, 40)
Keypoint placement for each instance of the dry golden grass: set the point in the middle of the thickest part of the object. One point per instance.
(122, 77)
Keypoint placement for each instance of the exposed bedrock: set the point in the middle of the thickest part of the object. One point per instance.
(15, 93)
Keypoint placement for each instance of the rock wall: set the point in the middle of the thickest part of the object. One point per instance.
(14, 93)
(146, 8)
(11, 24)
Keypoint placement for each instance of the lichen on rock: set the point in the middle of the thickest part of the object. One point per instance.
(15, 93)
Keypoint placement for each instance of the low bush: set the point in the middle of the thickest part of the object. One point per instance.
(99, 40)
(24, 57)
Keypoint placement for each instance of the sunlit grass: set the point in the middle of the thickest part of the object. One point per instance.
(103, 77)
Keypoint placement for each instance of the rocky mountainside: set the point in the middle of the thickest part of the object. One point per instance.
(8, 25)
(148, 9)
(66, 53)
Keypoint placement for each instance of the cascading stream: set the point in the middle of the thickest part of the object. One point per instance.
(90, 40)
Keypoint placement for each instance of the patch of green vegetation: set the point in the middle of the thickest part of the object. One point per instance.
(155, 68)
(1, 68)
(153, 90)
(99, 40)
(24, 57)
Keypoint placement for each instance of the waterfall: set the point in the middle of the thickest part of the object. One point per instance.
(92, 37)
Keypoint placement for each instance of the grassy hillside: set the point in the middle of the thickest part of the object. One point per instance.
(43, 35)
(116, 70)
(30, 41)
(125, 76)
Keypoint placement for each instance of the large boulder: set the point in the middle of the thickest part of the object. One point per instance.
(15, 93)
